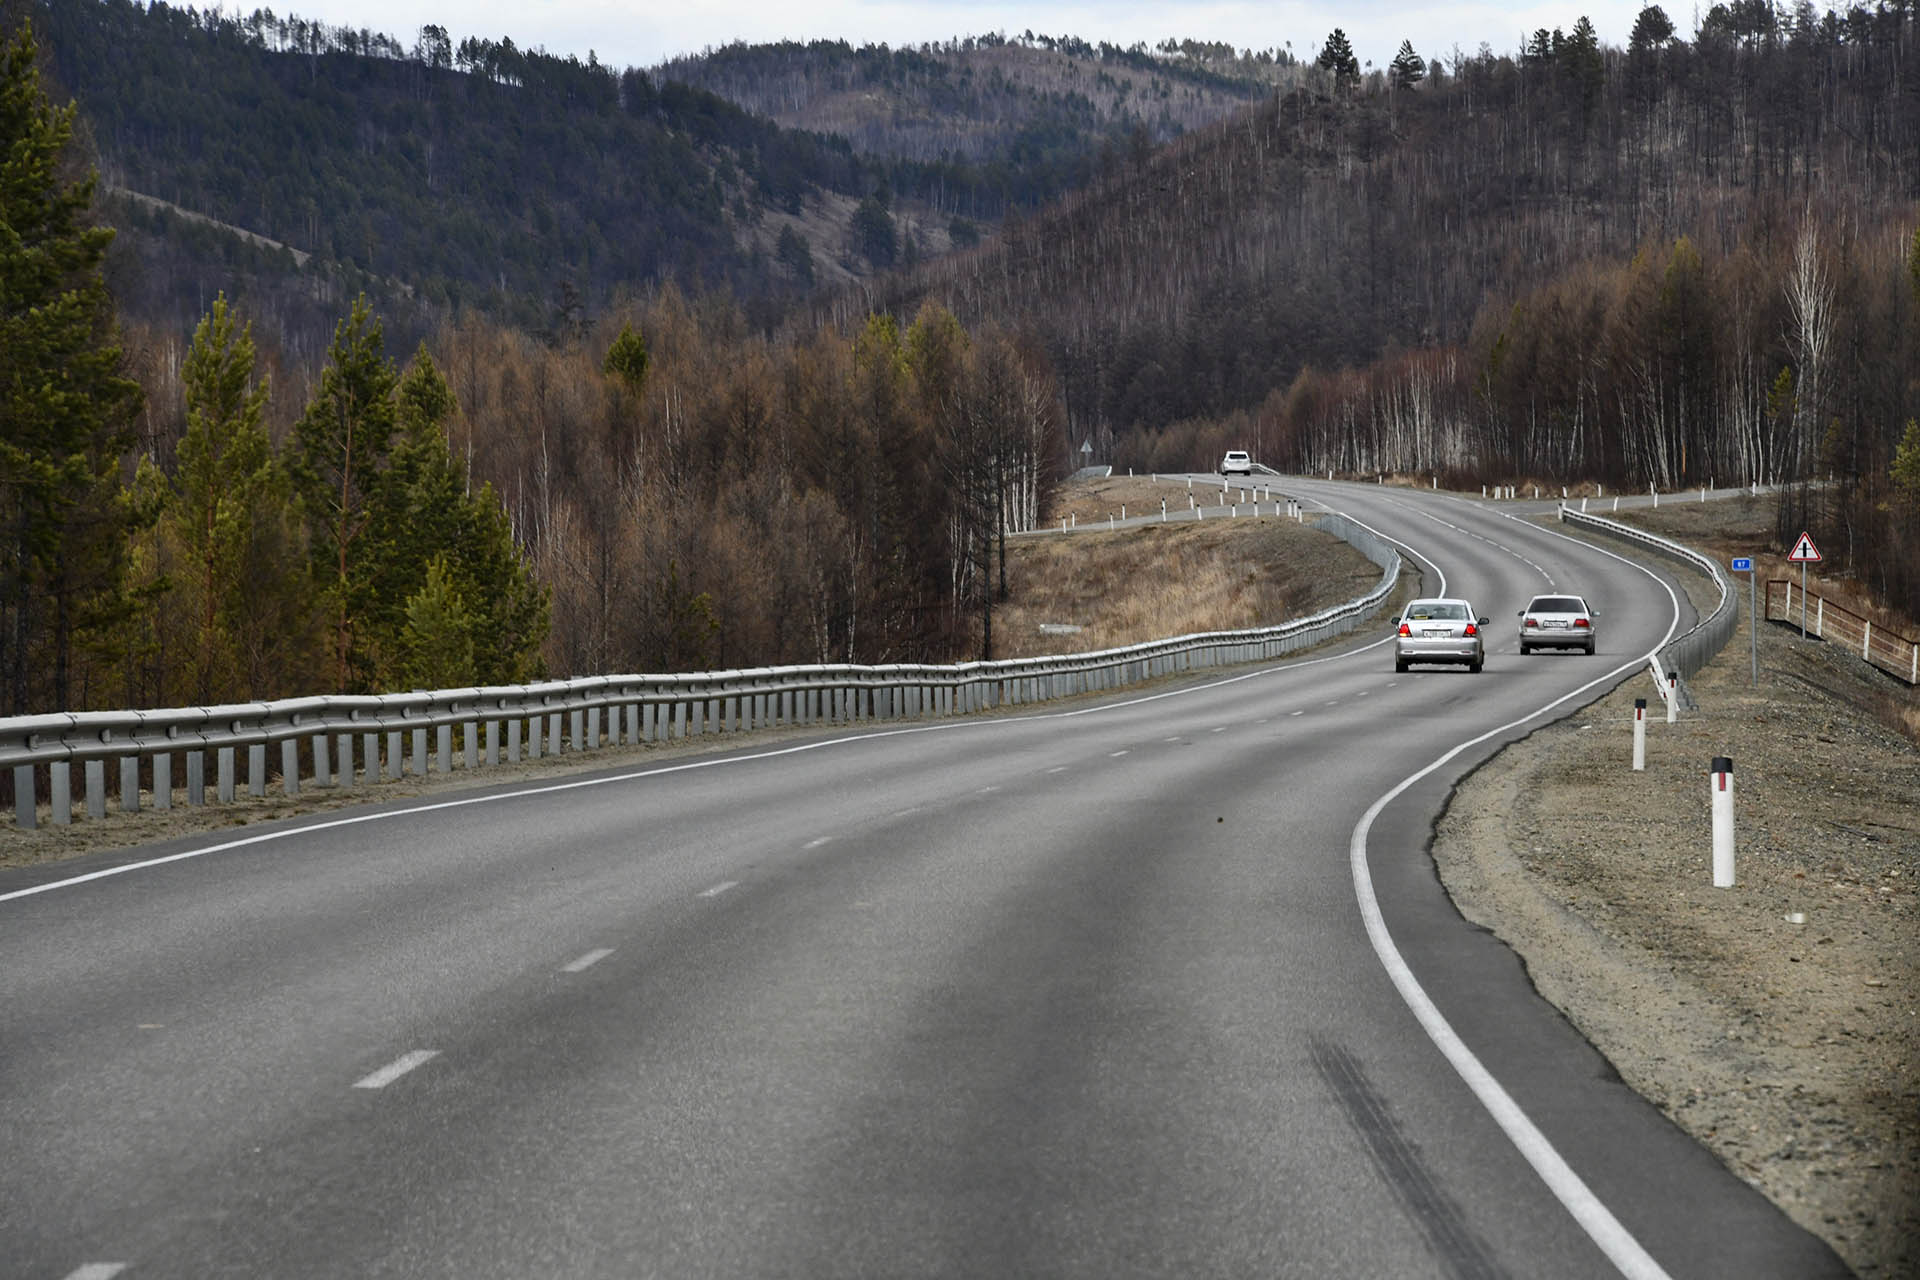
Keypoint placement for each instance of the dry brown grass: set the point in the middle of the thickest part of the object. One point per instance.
(1168, 580)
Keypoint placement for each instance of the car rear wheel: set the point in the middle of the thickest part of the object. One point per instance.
(1589, 648)
(1525, 649)
(1474, 667)
(1400, 666)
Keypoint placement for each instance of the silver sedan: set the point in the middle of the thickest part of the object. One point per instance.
(1557, 622)
(1440, 630)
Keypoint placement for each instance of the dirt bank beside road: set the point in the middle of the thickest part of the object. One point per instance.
(1776, 1020)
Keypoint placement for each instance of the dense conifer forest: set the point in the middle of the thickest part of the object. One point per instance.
(419, 364)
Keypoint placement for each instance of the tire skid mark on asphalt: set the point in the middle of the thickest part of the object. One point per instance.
(400, 1066)
(1400, 1165)
(588, 960)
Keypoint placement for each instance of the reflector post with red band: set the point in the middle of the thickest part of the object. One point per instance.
(1721, 798)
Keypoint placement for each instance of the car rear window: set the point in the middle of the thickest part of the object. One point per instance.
(1431, 611)
(1557, 604)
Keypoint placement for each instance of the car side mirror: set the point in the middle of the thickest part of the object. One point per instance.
(1483, 622)
(1521, 614)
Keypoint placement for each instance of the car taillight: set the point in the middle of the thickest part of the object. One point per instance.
(1581, 622)
(1472, 630)
(1533, 622)
(1405, 630)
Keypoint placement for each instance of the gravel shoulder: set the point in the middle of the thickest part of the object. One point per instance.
(1775, 1021)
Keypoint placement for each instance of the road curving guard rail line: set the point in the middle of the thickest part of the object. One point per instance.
(1685, 654)
(394, 735)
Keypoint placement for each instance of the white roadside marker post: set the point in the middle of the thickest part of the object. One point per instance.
(1722, 794)
(1673, 697)
(1639, 735)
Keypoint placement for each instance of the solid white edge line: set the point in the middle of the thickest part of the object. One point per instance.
(1605, 1230)
(588, 960)
(394, 1070)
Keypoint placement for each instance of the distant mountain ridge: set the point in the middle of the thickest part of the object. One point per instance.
(540, 188)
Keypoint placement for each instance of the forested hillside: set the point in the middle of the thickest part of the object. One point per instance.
(538, 187)
(989, 122)
(1677, 262)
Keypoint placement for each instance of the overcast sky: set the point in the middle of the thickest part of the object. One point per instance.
(644, 33)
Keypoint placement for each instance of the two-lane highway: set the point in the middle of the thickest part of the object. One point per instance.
(1161, 984)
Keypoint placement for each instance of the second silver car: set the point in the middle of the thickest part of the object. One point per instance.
(1557, 622)
(1440, 630)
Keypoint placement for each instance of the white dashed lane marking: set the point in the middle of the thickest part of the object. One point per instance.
(98, 1271)
(720, 888)
(1115, 755)
(395, 1069)
(816, 842)
(588, 960)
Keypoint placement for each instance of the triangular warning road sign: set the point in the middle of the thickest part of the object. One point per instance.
(1803, 550)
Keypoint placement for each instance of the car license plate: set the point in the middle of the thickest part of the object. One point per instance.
(1433, 632)
(1556, 624)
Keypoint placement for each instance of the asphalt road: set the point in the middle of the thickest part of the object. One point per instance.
(1156, 985)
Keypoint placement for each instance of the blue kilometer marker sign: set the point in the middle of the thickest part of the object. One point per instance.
(1743, 564)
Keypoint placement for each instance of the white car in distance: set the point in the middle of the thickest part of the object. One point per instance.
(1237, 462)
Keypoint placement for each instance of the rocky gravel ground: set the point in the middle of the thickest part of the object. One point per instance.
(1776, 1020)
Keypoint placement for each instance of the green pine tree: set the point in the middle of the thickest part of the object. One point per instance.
(340, 449)
(627, 360)
(1906, 471)
(225, 488)
(438, 637)
(1337, 57)
(65, 406)
(425, 512)
(1408, 68)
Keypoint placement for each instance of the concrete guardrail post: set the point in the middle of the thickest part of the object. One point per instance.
(196, 778)
(129, 784)
(96, 789)
(257, 769)
(223, 766)
(26, 809)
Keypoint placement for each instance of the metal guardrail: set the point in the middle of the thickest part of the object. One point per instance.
(392, 734)
(1686, 653)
